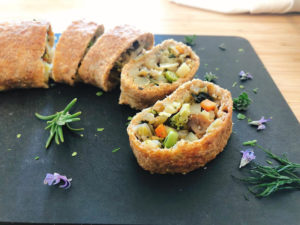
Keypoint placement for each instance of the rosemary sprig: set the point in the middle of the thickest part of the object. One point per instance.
(268, 179)
(58, 120)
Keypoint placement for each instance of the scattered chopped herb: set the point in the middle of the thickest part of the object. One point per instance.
(81, 135)
(129, 118)
(115, 150)
(205, 65)
(241, 116)
(269, 162)
(100, 129)
(246, 197)
(234, 84)
(53, 179)
(248, 156)
(242, 102)
(245, 76)
(255, 90)
(210, 77)
(250, 143)
(266, 180)
(222, 47)
(74, 154)
(249, 120)
(19, 135)
(217, 68)
(99, 93)
(58, 120)
(37, 158)
(190, 40)
(9, 149)
(242, 86)
(241, 50)
(260, 123)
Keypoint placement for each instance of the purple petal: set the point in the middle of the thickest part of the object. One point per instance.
(261, 127)
(53, 179)
(248, 156)
(263, 120)
(249, 76)
(242, 73)
(49, 179)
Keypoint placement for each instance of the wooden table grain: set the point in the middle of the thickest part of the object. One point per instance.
(276, 38)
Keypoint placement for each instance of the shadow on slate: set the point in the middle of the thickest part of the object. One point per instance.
(110, 188)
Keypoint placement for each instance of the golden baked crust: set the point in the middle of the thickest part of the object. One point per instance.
(97, 64)
(22, 46)
(185, 156)
(70, 49)
(140, 98)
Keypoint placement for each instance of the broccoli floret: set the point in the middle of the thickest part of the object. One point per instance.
(181, 118)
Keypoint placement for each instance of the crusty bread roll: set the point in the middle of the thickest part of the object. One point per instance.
(25, 54)
(197, 122)
(157, 74)
(103, 63)
(72, 45)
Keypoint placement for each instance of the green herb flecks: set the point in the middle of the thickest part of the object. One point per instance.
(241, 116)
(58, 120)
(210, 77)
(19, 135)
(37, 158)
(205, 65)
(217, 69)
(129, 118)
(222, 47)
(250, 143)
(255, 90)
(115, 150)
(99, 93)
(241, 50)
(100, 129)
(266, 180)
(74, 154)
(242, 86)
(249, 120)
(234, 84)
(190, 40)
(242, 102)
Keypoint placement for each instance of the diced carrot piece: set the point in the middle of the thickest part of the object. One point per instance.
(208, 105)
(180, 49)
(161, 131)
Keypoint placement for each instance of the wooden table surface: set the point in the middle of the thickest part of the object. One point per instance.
(276, 38)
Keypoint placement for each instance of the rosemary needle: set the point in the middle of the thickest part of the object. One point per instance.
(58, 120)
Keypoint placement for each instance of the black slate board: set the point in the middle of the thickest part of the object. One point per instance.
(110, 188)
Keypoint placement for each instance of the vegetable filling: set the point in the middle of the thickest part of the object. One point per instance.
(167, 65)
(190, 119)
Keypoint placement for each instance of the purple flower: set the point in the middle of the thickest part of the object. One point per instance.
(245, 76)
(260, 123)
(248, 156)
(53, 179)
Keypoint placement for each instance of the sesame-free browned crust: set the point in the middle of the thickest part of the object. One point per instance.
(22, 44)
(140, 98)
(98, 62)
(70, 49)
(185, 156)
